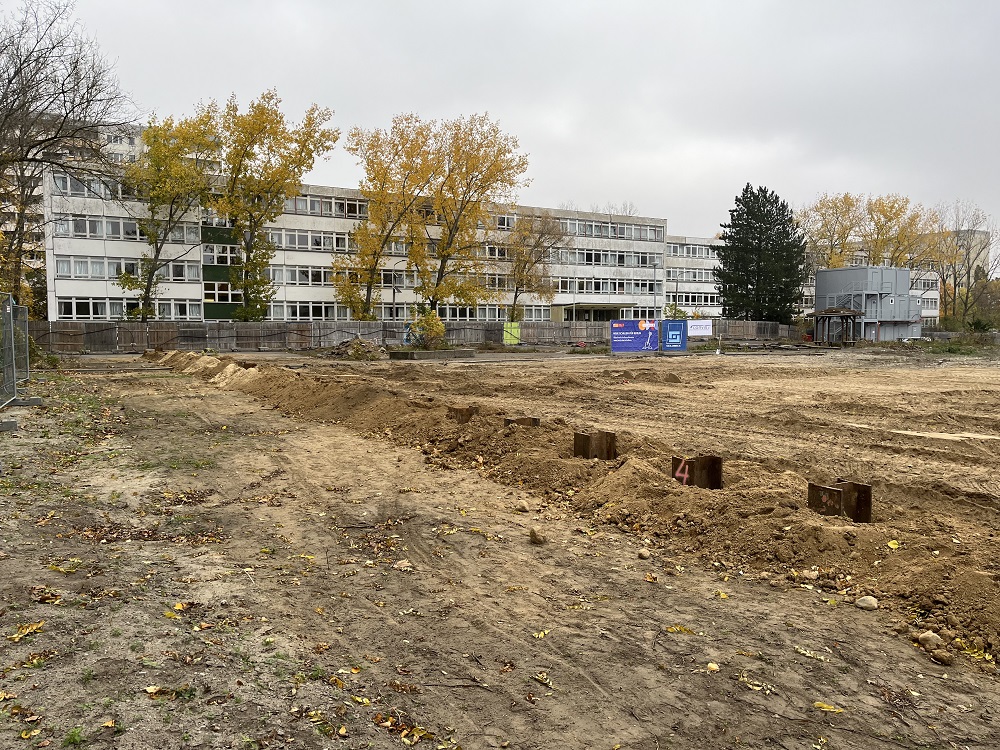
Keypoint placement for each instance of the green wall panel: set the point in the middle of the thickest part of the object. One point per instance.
(219, 310)
(215, 273)
(218, 236)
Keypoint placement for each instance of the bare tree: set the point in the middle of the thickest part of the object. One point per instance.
(964, 258)
(59, 101)
(530, 249)
(58, 94)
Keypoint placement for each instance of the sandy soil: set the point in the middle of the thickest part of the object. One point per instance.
(233, 553)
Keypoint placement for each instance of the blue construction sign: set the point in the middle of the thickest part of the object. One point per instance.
(674, 335)
(633, 336)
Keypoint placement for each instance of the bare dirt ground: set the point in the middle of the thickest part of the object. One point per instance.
(224, 555)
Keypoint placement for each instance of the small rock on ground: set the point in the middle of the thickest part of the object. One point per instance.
(522, 506)
(930, 640)
(536, 536)
(867, 603)
(644, 554)
(941, 656)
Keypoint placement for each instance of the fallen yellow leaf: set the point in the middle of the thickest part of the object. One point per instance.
(827, 707)
(892, 544)
(26, 629)
(541, 633)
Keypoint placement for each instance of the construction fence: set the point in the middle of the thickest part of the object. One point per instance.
(73, 337)
(13, 348)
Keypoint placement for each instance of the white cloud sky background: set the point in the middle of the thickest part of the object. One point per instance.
(673, 105)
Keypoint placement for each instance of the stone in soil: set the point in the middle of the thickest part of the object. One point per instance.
(941, 656)
(867, 603)
(930, 640)
(537, 536)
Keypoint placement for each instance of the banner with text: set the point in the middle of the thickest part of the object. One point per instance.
(633, 336)
(699, 328)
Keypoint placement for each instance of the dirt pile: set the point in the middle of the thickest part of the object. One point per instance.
(357, 349)
(927, 557)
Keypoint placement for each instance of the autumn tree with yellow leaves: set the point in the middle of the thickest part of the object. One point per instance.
(263, 159)
(832, 228)
(171, 179)
(399, 168)
(479, 171)
(436, 188)
(878, 230)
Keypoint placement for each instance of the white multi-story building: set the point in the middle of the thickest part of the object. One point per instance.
(615, 267)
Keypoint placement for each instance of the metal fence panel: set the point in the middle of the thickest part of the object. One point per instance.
(22, 358)
(8, 369)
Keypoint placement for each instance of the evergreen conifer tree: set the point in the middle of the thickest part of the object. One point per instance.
(762, 264)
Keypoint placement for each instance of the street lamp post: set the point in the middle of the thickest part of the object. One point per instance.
(393, 271)
(656, 267)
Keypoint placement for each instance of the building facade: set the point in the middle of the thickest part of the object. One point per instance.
(614, 267)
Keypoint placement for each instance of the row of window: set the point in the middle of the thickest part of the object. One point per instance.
(692, 251)
(689, 274)
(117, 228)
(639, 313)
(109, 269)
(90, 308)
(531, 313)
(572, 285)
(694, 299)
(618, 259)
(317, 205)
(301, 275)
(86, 187)
(612, 230)
(302, 239)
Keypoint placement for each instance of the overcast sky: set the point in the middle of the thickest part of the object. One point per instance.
(673, 105)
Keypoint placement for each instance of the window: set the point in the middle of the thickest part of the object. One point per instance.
(505, 222)
(220, 255)
(220, 291)
(350, 209)
(180, 271)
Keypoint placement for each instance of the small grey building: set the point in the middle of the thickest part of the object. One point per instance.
(879, 298)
